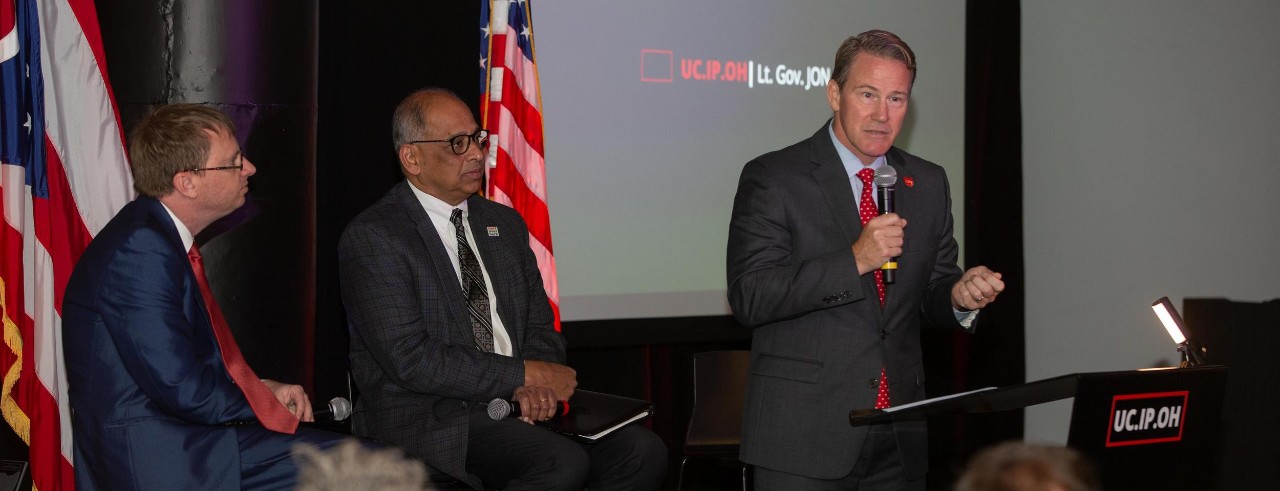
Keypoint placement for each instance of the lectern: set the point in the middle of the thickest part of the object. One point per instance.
(1143, 429)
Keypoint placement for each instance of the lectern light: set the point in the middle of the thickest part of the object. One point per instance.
(1170, 318)
(1191, 351)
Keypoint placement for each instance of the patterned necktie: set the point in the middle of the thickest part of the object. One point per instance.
(273, 415)
(866, 211)
(473, 287)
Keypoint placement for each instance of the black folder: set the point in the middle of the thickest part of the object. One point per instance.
(593, 415)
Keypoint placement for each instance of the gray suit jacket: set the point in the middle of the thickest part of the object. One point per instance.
(412, 348)
(821, 336)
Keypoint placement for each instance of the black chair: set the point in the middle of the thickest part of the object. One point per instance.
(715, 428)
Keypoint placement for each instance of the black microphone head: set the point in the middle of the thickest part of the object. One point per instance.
(341, 408)
(886, 176)
(498, 408)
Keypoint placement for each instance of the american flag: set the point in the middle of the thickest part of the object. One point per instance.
(63, 175)
(511, 105)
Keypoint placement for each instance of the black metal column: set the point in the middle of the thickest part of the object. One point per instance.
(255, 61)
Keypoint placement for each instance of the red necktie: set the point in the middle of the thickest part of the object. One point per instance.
(273, 415)
(866, 211)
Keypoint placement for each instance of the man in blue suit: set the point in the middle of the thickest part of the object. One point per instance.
(160, 396)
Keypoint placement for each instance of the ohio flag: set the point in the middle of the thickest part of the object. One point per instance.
(511, 106)
(63, 175)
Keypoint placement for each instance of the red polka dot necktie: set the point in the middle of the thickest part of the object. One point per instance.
(270, 412)
(866, 211)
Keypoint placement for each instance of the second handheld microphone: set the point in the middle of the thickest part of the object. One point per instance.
(500, 408)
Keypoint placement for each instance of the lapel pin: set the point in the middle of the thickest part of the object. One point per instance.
(909, 181)
(493, 231)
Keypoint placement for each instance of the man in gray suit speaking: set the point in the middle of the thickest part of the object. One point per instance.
(806, 247)
(447, 312)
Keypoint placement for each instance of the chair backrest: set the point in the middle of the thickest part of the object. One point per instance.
(719, 388)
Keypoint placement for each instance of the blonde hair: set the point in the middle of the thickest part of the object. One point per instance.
(170, 140)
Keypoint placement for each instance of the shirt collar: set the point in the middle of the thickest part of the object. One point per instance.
(436, 206)
(183, 231)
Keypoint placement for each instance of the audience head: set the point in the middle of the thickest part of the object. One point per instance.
(351, 465)
(1018, 466)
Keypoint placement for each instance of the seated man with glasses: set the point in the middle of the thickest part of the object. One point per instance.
(448, 312)
(161, 397)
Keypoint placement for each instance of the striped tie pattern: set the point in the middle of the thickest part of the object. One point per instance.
(473, 287)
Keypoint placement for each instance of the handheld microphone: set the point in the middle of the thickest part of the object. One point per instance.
(337, 410)
(885, 177)
(500, 408)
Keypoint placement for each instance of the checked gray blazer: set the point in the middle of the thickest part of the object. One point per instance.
(412, 348)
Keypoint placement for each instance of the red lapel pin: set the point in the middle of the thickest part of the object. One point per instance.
(909, 181)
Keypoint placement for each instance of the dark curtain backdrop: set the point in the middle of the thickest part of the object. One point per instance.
(256, 62)
(995, 355)
(371, 57)
(1241, 335)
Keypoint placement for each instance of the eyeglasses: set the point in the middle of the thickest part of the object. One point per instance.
(461, 143)
(237, 167)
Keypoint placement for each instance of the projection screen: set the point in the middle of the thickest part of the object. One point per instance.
(652, 108)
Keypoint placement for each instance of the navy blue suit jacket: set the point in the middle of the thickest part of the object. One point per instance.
(150, 395)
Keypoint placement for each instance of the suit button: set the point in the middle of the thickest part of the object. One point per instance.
(872, 383)
(884, 334)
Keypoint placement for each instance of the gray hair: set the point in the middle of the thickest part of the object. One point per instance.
(407, 123)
